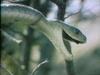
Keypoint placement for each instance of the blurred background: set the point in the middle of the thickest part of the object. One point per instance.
(21, 58)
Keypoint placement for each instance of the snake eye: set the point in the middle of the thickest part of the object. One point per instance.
(76, 31)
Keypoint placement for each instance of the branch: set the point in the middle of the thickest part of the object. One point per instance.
(60, 15)
(71, 14)
(38, 66)
(69, 64)
(4, 33)
(2, 66)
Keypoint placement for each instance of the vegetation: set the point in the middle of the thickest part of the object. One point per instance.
(32, 53)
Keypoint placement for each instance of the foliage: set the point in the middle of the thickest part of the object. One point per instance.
(32, 53)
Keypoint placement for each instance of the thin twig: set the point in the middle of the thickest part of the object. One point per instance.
(72, 14)
(80, 10)
(10, 73)
(10, 37)
(35, 69)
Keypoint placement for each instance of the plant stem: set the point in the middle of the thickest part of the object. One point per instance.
(69, 64)
(60, 15)
(27, 44)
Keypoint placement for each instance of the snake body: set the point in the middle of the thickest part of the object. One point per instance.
(14, 15)
(20, 17)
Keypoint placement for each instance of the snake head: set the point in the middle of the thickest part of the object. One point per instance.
(74, 35)
(71, 33)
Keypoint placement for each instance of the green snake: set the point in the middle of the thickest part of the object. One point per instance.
(19, 17)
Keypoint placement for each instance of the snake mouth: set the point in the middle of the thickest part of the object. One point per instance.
(67, 37)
